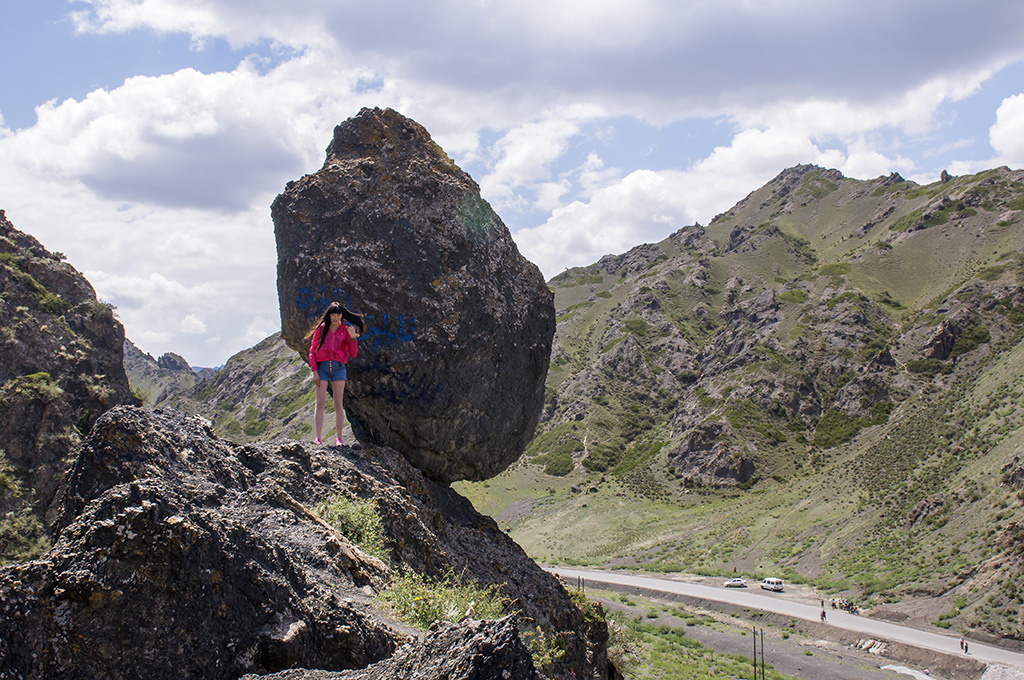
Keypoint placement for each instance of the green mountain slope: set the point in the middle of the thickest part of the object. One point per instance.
(825, 383)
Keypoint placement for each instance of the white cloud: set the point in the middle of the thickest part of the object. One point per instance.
(135, 292)
(186, 139)
(647, 206)
(259, 329)
(593, 175)
(544, 54)
(193, 324)
(549, 194)
(526, 152)
(643, 206)
(1007, 134)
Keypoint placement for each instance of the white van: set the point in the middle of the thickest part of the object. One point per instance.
(772, 584)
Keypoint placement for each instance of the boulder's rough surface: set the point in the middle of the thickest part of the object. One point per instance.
(469, 650)
(60, 368)
(451, 373)
(178, 554)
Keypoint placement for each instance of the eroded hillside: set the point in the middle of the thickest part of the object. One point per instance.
(824, 382)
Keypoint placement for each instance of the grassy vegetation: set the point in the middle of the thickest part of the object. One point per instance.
(48, 302)
(22, 537)
(357, 520)
(647, 651)
(420, 602)
(795, 295)
(38, 385)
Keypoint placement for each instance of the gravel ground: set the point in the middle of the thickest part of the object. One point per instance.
(1003, 673)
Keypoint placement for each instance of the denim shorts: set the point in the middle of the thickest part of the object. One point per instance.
(331, 370)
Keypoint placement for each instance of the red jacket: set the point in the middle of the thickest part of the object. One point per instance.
(338, 346)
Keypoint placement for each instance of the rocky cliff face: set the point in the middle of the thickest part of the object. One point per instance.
(178, 554)
(60, 369)
(451, 372)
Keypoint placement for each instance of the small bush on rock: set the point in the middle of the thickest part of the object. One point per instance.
(420, 602)
(358, 521)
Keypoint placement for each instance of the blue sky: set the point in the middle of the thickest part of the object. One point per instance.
(146, 139)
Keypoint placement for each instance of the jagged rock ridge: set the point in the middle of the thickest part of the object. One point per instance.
(60, 368)
(180, 554)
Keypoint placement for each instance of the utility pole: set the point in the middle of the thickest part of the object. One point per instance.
(763, 676)
(755, 653)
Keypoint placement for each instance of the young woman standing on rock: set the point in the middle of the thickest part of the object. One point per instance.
(333, 344)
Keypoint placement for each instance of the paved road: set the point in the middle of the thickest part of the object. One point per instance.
(776, 602)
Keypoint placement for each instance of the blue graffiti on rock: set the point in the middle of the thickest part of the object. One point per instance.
(389, 331)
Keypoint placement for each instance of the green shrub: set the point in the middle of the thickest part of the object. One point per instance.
(835, 269)
(969, 339)
(795, 295)
(546, 650)
(802, 247)
(102, 310)
(848, 296)
(556, 463)
(612, 344)
(928, 366)
(254, 425)
(35, 384)
(593, 612)
(835, 427)
(888, 300)
(636, 326)
(357, 520)
(420, 602)
(22, 537)
(904, 223)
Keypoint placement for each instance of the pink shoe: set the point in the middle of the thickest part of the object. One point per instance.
(339, 443)
(318, 441)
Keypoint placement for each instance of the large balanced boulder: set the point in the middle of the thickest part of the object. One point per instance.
(451, 372)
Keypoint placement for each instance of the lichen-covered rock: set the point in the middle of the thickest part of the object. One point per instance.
(451, 373)
(179, 554)
(469, 650)
(60, 368)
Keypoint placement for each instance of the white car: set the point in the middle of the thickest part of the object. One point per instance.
(772, 584)
(736, 583)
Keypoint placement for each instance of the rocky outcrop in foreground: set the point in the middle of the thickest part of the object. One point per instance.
(451, 373)
(60, 368)
(178, 554)
(473, 650)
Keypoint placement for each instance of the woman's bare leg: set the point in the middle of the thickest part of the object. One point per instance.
(318, 413)
(338, 387)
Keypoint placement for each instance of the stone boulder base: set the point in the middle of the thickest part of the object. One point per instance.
(451, 373)
(181, 555)
(468, 650)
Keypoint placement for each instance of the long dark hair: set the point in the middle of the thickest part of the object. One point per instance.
(356, 320)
